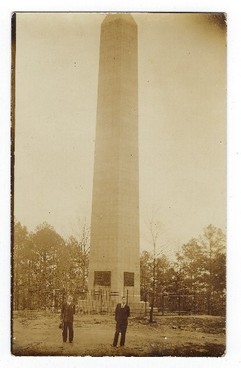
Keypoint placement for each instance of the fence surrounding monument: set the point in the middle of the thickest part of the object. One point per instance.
(104, 302)
(98, 302)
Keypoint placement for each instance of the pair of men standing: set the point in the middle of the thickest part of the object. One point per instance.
(122, 312)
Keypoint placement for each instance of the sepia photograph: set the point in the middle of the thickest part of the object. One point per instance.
(118, 184)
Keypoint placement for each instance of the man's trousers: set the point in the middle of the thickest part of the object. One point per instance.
(120, 329)
(68, 330)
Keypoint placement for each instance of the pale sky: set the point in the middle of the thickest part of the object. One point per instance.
(182, 122)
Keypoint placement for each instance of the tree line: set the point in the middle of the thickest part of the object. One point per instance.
(45, 266)
(195, 282)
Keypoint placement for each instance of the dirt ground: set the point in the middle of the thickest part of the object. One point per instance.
(37, 333)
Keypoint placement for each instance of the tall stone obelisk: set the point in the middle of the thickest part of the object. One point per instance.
(114, 248)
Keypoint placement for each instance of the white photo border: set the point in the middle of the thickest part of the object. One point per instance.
(233, 10)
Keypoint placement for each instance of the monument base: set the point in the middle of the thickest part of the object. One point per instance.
(139, 308)
(104, 302)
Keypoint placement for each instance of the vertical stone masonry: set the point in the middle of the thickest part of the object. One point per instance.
(114, 249)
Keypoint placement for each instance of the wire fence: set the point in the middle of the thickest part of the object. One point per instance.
(104, 301)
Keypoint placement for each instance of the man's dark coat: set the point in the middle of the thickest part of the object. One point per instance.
(122, 314)
(67, 312)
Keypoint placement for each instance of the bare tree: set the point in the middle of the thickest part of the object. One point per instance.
(81, 246)
(213, 241)
(154, 235)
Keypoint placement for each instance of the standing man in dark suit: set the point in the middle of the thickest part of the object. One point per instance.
(67, 316)
(122, 312)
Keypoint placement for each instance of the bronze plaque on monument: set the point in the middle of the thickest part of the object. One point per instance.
(128, 278)
(102, 278)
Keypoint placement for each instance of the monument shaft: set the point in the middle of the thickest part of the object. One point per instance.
(114, 250)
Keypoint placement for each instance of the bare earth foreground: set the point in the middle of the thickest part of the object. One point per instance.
(37, 333)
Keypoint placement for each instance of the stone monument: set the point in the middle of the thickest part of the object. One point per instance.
(114, 246)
